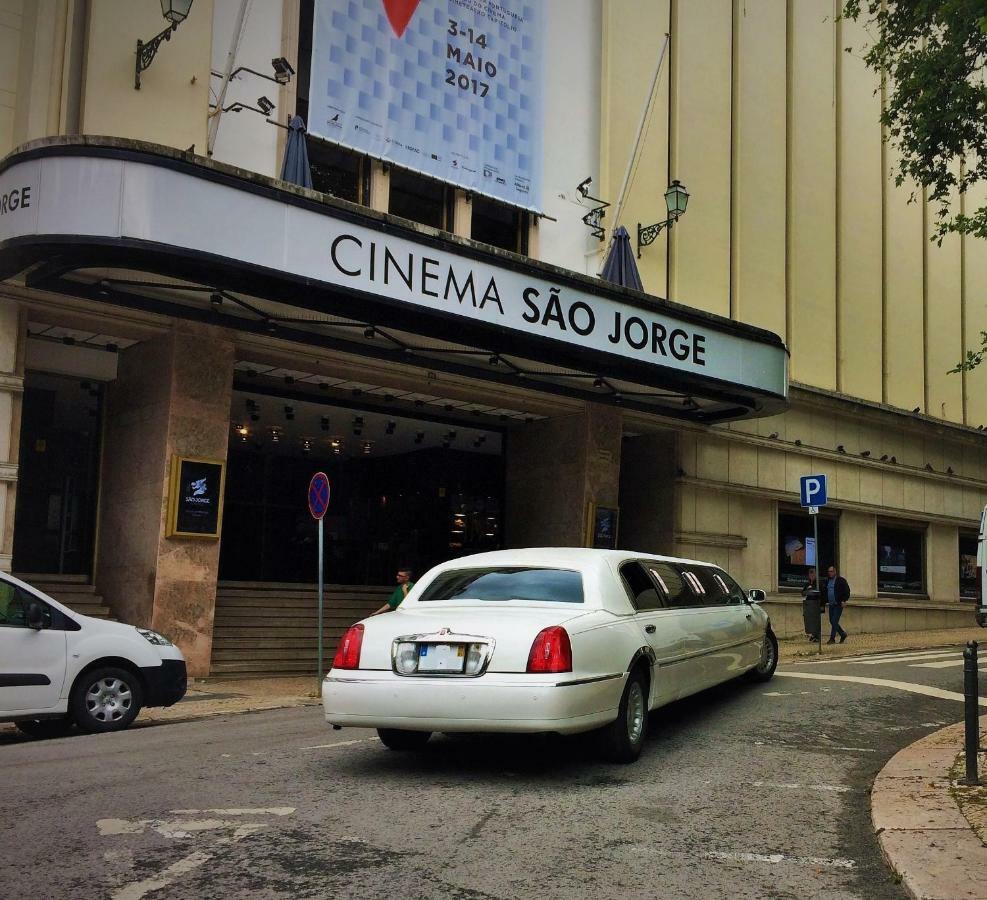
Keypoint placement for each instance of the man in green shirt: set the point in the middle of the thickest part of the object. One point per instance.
(405, 584)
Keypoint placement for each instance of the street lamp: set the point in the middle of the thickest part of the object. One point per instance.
(676, 200)
(176, 12)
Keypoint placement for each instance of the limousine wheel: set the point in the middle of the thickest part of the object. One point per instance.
(621, 741)
(45, 728)
(398, 739)
(769, 659)
(106, 699)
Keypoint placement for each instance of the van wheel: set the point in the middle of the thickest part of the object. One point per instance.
(768, 662)
(622, 740)
(106, 699)
(399, 739)
(46, 728)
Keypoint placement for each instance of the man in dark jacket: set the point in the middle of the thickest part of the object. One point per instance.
(837, 593)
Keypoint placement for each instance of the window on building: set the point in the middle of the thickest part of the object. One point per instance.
(900, 560)
(420, 199)
(337, 171)
(797, 550)
(499, 225)
(969, 583)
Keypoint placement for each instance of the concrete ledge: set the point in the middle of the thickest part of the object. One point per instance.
(923, 835)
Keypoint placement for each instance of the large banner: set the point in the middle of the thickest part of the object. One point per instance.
(448, 88)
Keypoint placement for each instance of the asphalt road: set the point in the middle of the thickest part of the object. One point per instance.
(743, 791)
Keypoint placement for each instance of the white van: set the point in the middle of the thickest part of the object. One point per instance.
(981, 612)
(59, 668)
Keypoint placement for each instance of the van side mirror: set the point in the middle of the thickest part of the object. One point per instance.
(757, 596)
(35, 615)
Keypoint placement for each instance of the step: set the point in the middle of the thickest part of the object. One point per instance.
(35, 579)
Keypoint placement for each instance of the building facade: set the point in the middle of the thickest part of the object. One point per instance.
(167, 300)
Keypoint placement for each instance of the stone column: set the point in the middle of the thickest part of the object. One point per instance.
(13, 337)
(171, 397)
(555, 468)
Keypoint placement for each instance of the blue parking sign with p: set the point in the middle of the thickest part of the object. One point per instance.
(812, 489)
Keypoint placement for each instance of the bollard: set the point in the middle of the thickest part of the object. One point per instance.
(971, 702)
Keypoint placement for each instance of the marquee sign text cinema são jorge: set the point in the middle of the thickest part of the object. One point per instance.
(385, 267)
(149, 200)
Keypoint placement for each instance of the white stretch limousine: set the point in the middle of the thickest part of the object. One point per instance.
(547, 640)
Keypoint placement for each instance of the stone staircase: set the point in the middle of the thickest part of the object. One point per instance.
(271, 629)
(74, 591)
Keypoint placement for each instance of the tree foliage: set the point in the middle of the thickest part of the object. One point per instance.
(932, 58)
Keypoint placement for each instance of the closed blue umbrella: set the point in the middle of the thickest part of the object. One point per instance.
(295, 167)
(620, 267)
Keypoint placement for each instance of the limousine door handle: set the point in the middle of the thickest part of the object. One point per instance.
(650, 629)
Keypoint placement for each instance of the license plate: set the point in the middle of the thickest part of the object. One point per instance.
(441, 657)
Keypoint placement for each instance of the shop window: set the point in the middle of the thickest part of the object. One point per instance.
(900, 560)
(419, 199)
(797, 550)
(499, 225)
(969, 583)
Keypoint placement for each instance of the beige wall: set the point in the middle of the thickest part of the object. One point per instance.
(170, 108)
(732, 480)
(13, 334)
(794, 223)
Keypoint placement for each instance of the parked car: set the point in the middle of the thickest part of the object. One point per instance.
(59, 668)
(547, 640)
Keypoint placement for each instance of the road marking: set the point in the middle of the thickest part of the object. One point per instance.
(181, 829)
(270, 811)
(175, 871)
(948, 664)
(339, 744)
(814, 746)
(877, 659)
(938, 693)
(837, 862)
(795, 786)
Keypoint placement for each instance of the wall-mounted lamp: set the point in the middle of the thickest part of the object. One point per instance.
(176, 12)
(676, 200)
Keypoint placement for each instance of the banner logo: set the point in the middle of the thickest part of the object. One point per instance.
(400, 13)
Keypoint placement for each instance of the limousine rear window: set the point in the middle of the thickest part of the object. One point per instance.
(507, 584)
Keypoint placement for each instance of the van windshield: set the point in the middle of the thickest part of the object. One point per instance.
(507, 584)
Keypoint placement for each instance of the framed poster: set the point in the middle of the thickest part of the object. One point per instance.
(602, 527)
(195, 499)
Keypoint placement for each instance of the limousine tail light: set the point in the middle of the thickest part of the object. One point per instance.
(551, 651)
(348, 652)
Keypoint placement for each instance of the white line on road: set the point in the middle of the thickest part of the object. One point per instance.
(948, 664)
(795, 786)
(925, 690)
(141, 888)
(885, 658)
(815, 746)
(271, 811)
(837, 862)
(339, 744)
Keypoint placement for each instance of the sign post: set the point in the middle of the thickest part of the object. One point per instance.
(812, 495)
(318, 503)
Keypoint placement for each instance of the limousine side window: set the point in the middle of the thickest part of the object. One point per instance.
(736, 593)
(714, 589)
(678, 590)
(640, 588)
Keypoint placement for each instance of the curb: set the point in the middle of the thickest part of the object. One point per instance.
(924, 837)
